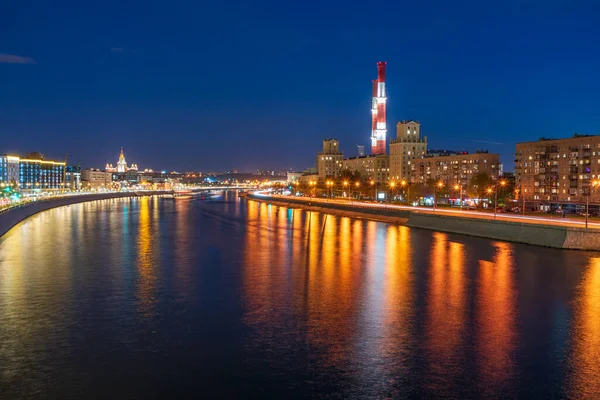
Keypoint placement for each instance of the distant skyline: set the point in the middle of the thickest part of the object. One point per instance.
(247, 85)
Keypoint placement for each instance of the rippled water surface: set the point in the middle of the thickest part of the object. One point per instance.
(224, 298)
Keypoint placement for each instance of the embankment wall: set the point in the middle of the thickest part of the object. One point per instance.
(556, 236)
(11, 217)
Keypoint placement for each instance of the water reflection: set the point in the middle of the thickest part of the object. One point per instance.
(147, 258)
(446, 314)
(585, 380)
(191, 295)
(496, 322)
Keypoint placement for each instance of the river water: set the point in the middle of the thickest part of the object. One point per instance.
(227, 298)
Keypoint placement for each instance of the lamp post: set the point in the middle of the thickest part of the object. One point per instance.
(312, 184)
(392, 186)
(345, 183)
(403, 184)
(587, 201)
(357, 184)
(328, 187)
(437, 185)
(460, 187)
(502, 183)
(372, 183)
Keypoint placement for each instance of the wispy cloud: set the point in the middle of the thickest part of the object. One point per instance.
(14, 59)
(117, 50)
(486, 141)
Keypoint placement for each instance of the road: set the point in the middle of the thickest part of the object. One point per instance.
(445, 211)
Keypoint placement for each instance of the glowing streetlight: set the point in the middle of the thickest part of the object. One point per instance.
(502, 183)
(460, 187)
(404, 183)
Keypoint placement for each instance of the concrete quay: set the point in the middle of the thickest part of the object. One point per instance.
(11, 217)
(528, 231)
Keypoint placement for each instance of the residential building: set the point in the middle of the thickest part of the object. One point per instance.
(9, 170)
(35, 172)
(407, 147)
(95, 179)
(558, 169)
(456, 169)
(375, 167)
(329, 160)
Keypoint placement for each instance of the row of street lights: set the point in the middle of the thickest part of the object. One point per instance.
(404, 184)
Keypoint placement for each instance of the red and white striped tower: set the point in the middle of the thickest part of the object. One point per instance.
(379, 125)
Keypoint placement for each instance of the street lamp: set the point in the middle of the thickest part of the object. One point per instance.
(393, 186)
(404, 183)
(357, 184)
(372, 183)
(460, 187)
(502, 183)
(587, 201)
(436, 186)
(312, 184)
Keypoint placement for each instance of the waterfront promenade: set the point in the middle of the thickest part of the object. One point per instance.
(541, 231)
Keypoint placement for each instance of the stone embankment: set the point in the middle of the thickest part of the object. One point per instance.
(11, 217)
(556, 236)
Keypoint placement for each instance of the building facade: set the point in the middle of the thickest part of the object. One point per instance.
(558, 169)
(73, 177)
(375, 167)
(456, 169)
(35, 172)
(9, 170)
(293, 176)
(96, 179)
(407, 147)
(329, 160)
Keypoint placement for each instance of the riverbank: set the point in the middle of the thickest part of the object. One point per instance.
(534, 233)
(10, 218)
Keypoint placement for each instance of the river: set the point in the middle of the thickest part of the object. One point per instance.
(227, 298)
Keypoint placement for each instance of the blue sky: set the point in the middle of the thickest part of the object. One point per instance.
(237, 84)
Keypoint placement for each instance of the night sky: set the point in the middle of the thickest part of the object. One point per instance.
(254, 84)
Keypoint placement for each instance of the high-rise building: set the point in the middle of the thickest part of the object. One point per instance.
(407, 147)
(121, 164)
(456, 169)
(558, 169)
(329, 160)
(121, 167)
(361, 150)
(9, 170)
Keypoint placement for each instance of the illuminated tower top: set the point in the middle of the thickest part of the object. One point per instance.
(121, 164)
